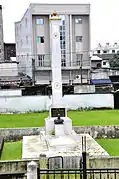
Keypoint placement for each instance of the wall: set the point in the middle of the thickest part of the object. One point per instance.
(14, 166)
(38, 8)
(95, 131)
(10, 93)
(108, 162)
(84, 89)
(8, 69)
(21, 165)
(39, 103)
(1, 36)
(100, 74)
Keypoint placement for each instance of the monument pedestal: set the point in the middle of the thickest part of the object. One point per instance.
(50, 126)
(59, 130)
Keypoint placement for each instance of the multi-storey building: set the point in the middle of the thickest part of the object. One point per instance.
(33, 41)
(1, 36)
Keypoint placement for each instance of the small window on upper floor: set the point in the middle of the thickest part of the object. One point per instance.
(40, 21)
(21, 43)
(98, 51)
(26, 22)
(79, 38)
(78, 20)
(113, 51)
(40, 39)
(104, 51)
(104, 63)
(27, 40)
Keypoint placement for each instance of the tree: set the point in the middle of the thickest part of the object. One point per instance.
(114, 62)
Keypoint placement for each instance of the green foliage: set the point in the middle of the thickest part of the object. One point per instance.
(110, 145)
(79, 118)
(52, 132)
(12, 151)
(114, 62)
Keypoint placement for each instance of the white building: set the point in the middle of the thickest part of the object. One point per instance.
(106, 49)
(1, 36)
(97, 62)
(33, 41)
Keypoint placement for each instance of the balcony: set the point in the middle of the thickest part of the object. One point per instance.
(43, 62)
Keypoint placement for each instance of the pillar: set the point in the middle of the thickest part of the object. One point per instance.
(32, 170)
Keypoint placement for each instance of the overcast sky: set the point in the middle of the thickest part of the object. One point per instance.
(104, 18)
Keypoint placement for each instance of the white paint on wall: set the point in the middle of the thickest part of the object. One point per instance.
(84, 89)
(10, 93)
(8, 69)
(39, 103)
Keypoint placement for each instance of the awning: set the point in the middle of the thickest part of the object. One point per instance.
(101, 81)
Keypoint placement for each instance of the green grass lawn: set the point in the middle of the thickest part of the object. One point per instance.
(110, 145)
(13, 150)
(79, 118)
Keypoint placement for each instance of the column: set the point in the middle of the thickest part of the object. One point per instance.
(32, 170)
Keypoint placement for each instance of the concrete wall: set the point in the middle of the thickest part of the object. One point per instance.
(108, 162)
(100, 74)
(6, 93)
(95, 131)
(1, 36)
(8, 69)
(39, 103)
(84, 89)
(14, 166)
(21, 165)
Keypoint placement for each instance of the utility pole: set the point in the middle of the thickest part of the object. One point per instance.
(33, 71)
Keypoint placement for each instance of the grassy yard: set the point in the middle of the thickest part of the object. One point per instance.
(79, 118)
(13, 150)
(110, 145)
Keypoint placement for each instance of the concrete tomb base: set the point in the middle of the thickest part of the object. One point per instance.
(67, 146)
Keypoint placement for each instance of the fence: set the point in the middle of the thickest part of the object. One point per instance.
(79, 174)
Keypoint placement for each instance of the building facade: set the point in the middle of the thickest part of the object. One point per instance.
(9, 51)
(33, 41)
(1, 36)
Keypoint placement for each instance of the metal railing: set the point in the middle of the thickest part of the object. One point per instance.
(79, 174)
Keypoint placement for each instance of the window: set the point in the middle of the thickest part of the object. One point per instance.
(63, 41)
(39, 21)
(26, 22)
(113, 51)
(27, 40)
(79, 38)
(40, 39)
(98, 51)
(78, 59)
(99, 65)
(63, 62)
(104, 63)
(41, 60)
(0, 50)
(21, 42)
(104, 51)
(78, 20)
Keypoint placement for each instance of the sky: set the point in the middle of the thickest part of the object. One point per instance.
(104, 18)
